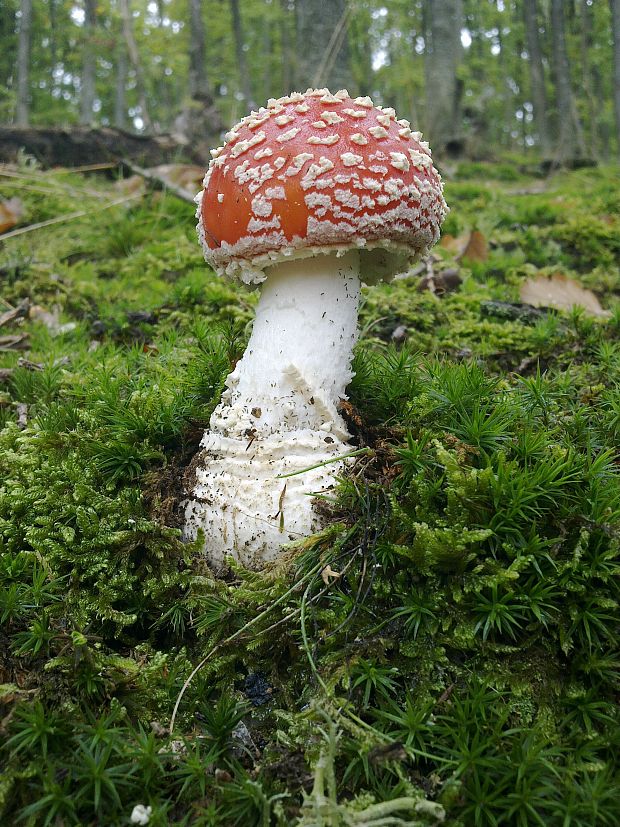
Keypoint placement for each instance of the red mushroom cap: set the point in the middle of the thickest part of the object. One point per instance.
(317, 172)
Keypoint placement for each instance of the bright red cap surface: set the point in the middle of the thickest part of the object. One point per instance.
(318, 171)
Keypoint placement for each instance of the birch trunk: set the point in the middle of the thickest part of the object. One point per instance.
(87, 91)
(120, 102)
(23, 64)
(134, 57)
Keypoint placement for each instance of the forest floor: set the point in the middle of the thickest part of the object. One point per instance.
(463, 666)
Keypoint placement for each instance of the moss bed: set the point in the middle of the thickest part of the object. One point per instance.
(461, 669)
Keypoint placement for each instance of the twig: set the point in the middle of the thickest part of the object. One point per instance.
(158, 181)
(70, 217)
(14, 342)
(86, 167)
(14, 313)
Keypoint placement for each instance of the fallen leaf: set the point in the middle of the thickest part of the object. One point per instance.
(472, 246)
(445, 281)
(10, 213)
(477, 248)
(454, 244)
(557, 290)
(133, 185)
(328, 572)
(186, 176)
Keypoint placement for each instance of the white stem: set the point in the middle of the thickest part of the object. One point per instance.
(278, 414)
(299, 350)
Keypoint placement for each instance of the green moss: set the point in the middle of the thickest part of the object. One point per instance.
(465, 659)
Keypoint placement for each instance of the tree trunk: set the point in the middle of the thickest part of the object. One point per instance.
(537, 75)
(23, 64)
(323, 37)
(79, 145)
(586, 21)
(570, 144)
(53, 43)
(134, 57)
(120, 103)
(198, 81)
(441, 62)
(614, 5)
(87, 91)
(200, 121)
(286, 36)
(242, 64)
(267, 48)
(507, 94)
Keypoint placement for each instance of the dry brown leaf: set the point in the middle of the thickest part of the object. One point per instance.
(476, 248)
(557, 290)
(454, 244)
(472, 246)
(328, 572)
(10, 213)
(186, 176)
(132, 185)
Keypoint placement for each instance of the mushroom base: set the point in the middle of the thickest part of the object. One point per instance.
(245, 505)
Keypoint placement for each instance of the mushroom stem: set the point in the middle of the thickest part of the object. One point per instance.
(279, 414)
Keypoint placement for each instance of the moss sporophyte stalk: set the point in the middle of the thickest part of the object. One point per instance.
(445, 645)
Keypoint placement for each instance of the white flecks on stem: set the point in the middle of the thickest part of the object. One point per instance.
(278, 414)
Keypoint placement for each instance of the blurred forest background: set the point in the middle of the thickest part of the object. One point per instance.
(479, 77)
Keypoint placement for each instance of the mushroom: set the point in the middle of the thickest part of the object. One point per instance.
(308, 197)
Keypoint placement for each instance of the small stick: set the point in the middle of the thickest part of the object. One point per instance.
(86, 167)
(15, 312)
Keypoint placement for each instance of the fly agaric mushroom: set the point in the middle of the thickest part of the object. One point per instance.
(308, 196)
